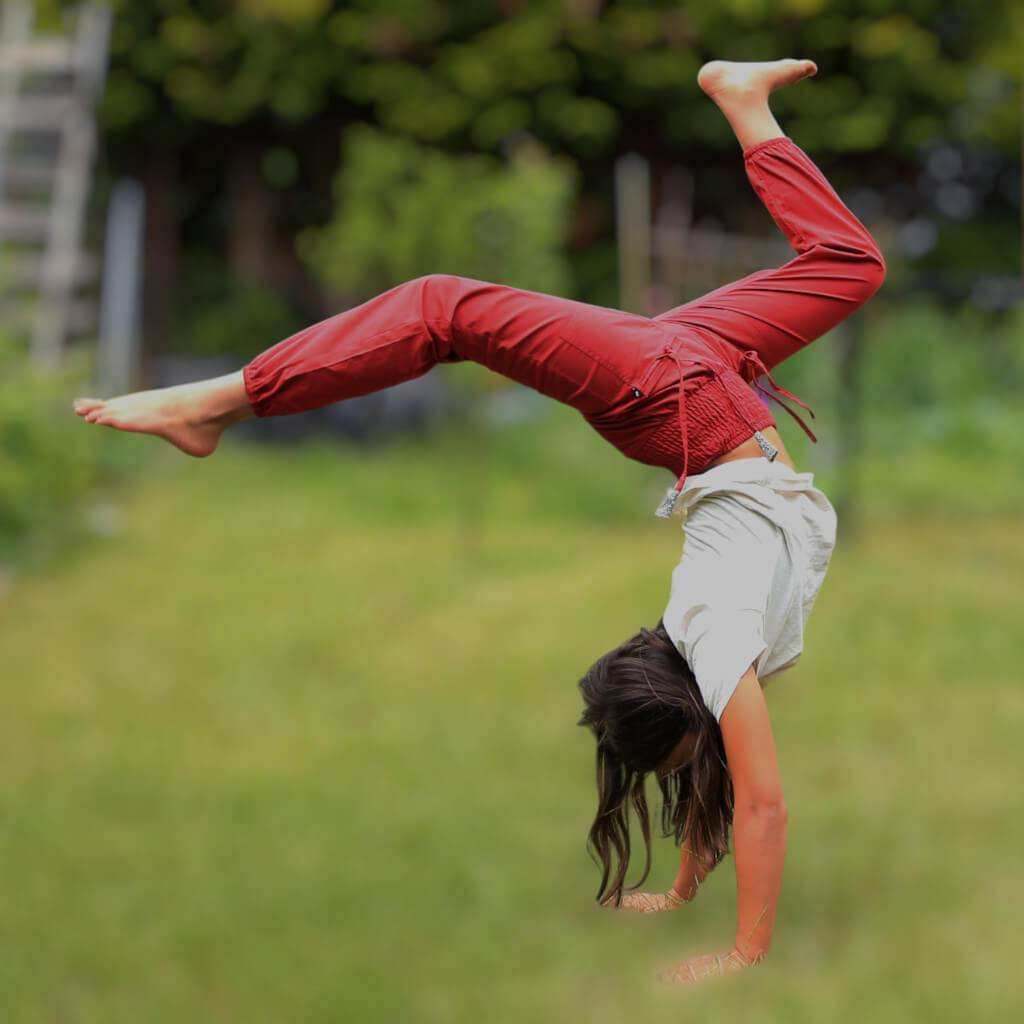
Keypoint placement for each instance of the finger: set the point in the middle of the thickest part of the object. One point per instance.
(641, 902)
(681, 975)
(695, 970)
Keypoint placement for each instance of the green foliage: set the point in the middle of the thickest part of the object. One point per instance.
(975, 247)
(939, 390)
(223, 317)
(446, 72)
(172, 60)
(403, 210)
(588, 80)
(186, 64)
(49, 459)
(923, 355)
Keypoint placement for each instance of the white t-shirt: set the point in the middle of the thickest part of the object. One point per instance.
(758, 539)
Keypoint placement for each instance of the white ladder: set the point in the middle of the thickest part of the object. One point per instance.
(49, 85)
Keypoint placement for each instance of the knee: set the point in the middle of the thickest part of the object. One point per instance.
(438, 282)
(439, 295)
(874, 269)
(434, 295)
(864, 267)
(436, 299)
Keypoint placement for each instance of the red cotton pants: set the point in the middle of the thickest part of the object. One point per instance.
(672, 391)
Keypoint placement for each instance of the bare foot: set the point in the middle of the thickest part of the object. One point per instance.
(725, 80)
(191, 416)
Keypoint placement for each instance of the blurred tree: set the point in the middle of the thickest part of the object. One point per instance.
(201, 89)
(403, 209)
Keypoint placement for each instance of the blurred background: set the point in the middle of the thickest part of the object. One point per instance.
(289, 733)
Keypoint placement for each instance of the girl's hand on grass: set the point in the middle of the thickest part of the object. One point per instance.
(703, 968)
(650, 902)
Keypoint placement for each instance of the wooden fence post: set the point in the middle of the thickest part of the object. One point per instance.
(633, 231)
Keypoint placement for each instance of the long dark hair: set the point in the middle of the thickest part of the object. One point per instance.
(641, 699)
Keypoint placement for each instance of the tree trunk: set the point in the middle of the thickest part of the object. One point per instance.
(250, 223)
(162, 252)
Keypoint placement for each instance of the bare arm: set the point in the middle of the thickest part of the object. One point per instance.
(759, 826)
(759, 816)
(692, 873)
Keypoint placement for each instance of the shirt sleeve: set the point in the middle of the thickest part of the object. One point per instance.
(719, 645)
(720, 592)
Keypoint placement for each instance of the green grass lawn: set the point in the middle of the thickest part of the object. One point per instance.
(300, 745)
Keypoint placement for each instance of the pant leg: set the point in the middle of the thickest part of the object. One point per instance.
(777, 312)
(587, 356)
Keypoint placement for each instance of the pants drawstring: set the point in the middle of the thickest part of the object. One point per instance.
(750, 369)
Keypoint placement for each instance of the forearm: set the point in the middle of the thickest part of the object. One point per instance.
(692, 873)
(759, 848)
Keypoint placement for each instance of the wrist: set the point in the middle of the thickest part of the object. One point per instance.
(676, 898)
(749, 954)
(685, 890)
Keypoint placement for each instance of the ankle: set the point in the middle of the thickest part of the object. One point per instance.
(753, 125)
(242, 412)
(227, 401)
